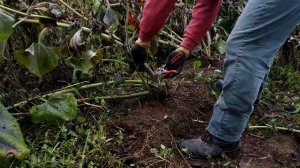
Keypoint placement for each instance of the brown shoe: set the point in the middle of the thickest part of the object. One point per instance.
(208, 146)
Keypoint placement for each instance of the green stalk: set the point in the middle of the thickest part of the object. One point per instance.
(113, 60)
(24, 14)
(66, 25)
(84, 149)
(168, 43)
(274, 128)
(69, 89)
(170, 36)
(108, 83)
(73, 10)
(122, 97)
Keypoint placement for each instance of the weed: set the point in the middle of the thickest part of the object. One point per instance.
(286, 77)
(78, 144)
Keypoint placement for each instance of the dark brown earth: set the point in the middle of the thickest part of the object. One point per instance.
(149, 124)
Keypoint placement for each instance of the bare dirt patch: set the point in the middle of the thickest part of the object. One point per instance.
(151, 127)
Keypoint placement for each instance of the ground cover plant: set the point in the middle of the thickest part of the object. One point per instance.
(67, 98)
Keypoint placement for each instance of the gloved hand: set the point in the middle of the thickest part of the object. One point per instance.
(175, 61)
(137, 59)
(139, 54)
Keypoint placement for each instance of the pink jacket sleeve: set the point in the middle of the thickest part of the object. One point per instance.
(204, 14)
(154, 17)
(156, 13)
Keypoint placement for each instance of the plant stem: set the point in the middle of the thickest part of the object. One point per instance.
(84, 149)
(69, 89)
(145, 84)
(46, 17)
(170, 36)
(274, 127)
(24, 14)
(108, 83)
(73, 10)
(113, 60)
(42, 35)
(178, 37)
(168, 43)
(126, 26)
(66, 25)
(130, 96)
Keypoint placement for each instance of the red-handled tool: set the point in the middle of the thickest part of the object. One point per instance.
(169, 72)
(162, 71)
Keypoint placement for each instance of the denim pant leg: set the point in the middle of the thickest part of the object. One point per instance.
(260, 31)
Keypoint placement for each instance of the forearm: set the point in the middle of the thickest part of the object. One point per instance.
(154, 17)
(203, 16)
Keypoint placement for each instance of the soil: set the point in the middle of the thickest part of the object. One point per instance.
(151, 125)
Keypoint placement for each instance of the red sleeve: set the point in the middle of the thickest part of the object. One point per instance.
(155, 14)
(203, 16)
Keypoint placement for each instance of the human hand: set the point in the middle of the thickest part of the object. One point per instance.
(175, 61)
(136, 58)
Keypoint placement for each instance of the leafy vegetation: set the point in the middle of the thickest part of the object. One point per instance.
(65, 61)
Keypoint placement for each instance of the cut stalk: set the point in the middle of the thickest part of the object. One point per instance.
(25, 14)
(76, 87)
(122, 97)
(170, 36)
(66, 25)
(73, 10)
(274, 128)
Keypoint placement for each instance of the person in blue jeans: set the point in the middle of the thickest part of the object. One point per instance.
(257, 36)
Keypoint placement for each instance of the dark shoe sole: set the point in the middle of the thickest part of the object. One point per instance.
(231, 154)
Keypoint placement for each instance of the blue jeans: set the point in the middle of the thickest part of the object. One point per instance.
(260, 31)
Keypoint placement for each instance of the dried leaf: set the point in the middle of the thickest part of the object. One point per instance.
(76, 41)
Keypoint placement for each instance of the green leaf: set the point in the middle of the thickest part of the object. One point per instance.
(11, 139)
(80, 64)
(38, 59)
(6, 24)
(2, 48)
(197, 64)
(96, 5)
(110, 18)
(221, 44)
(89, 60)
(57, 109)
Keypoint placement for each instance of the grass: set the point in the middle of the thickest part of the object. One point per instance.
(82, 143)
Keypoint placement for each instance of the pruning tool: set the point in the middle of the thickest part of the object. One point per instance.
(159, 74)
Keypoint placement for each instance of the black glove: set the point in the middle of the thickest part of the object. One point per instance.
(175, 61)
(139, 54)
(137, 59)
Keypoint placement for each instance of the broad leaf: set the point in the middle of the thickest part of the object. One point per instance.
(110, 17)
(89, 60)
(38, 59)
(2, 48)
(11, 139)
(221, 44)
(6, 23)
(57, 109)
(80, 64)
